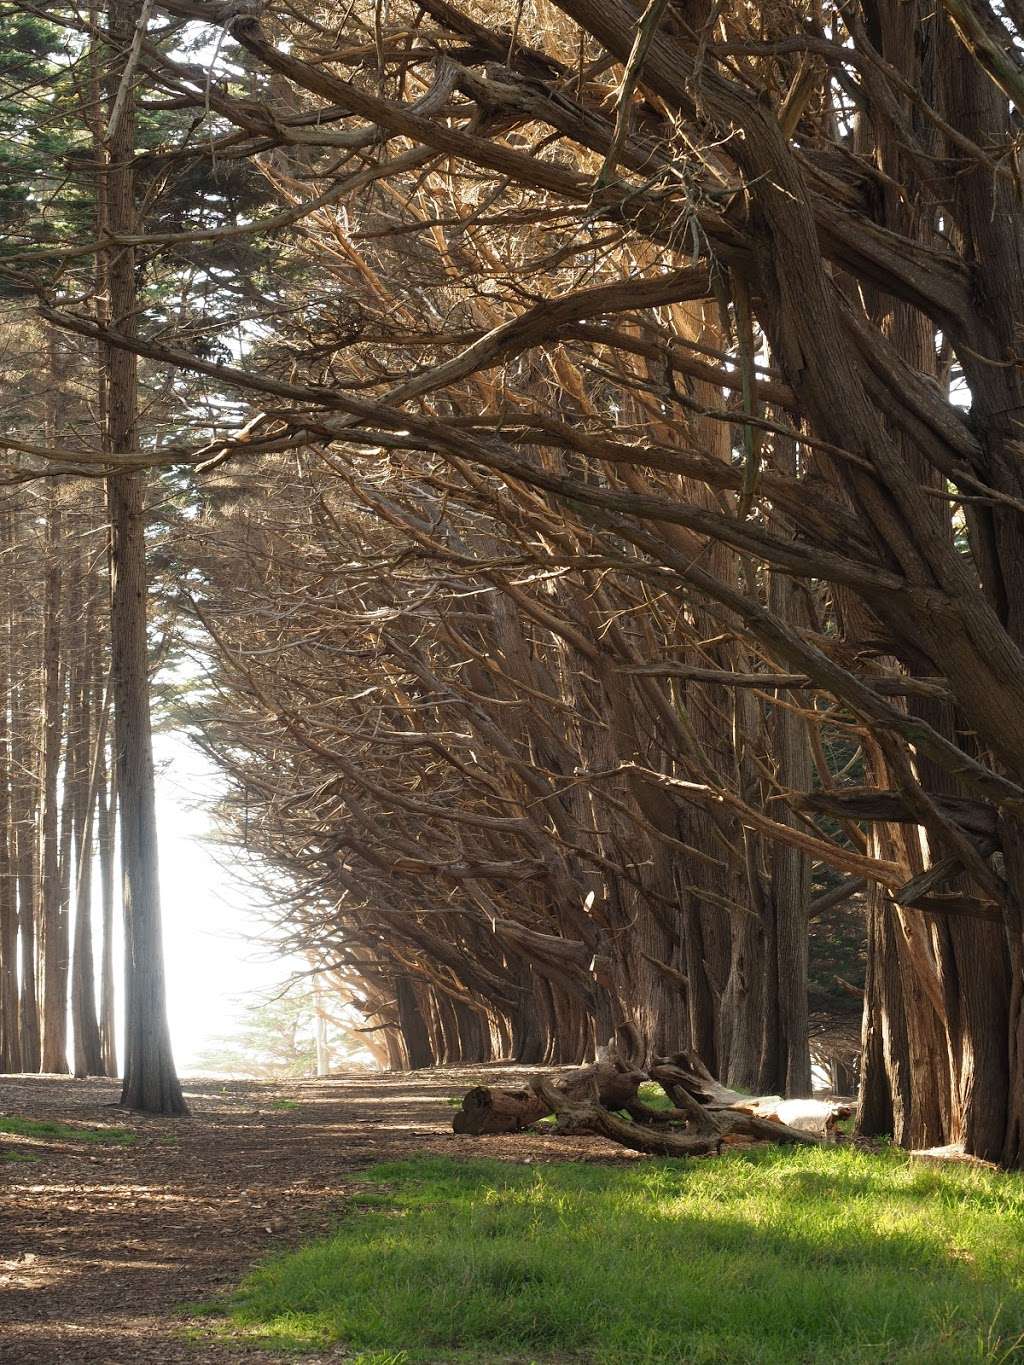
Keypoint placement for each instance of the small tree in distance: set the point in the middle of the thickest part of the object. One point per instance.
(277, 1040)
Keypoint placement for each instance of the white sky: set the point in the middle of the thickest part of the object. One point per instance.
(207, 913)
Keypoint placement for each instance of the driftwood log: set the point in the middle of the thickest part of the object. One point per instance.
(704, 1116)
(487, 1110)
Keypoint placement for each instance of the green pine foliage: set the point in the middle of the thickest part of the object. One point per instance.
(276, 1041)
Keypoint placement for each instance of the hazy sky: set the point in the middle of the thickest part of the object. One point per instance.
(207, 912)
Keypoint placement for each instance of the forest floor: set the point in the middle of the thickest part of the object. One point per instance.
(127, 1240)
(103, 1244)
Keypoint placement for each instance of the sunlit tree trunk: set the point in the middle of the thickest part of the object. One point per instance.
(106, 839)
(88, 1052)
(150, 1081)
(10, 1025)
(24, 791)
(51, 945)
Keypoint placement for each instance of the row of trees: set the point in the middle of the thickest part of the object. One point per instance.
(76, 652)
(57, 805)
(474, 738)
(618, 565)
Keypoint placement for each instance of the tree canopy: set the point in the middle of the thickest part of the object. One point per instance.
(599, 494)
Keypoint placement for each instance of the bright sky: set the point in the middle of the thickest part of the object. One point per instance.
(207, 913)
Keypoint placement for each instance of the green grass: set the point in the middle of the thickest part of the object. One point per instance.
(772, 1255)
(653, 1096)
(283, 1104)
(40, 1128)
(15, 1156)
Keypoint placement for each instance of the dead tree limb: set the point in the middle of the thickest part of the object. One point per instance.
(585, 1101)
(487, 1110)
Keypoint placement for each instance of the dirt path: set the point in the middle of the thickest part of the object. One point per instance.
(101, 1245)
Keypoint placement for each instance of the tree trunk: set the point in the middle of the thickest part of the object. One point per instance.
(884, 1072)
(786, 1065)
(87, 1042)
(106, 833)
(10, 1026)
(51, 941)
(24, 807)
(414, 1028)
(150, 1081)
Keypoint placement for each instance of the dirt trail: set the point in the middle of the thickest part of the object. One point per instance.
(101, 1245)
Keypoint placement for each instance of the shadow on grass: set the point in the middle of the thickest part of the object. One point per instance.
(827, 1255)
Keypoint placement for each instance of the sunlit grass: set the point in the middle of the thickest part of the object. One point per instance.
(802, 1255)
(44, 1128)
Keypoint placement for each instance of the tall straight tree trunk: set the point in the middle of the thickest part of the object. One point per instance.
(54, 978)
(71, 647)
(150, 1081)
(87, 1047)
(10, 1026)
(323, 1051)
(106, 794)
(106, 834)
(24, 798)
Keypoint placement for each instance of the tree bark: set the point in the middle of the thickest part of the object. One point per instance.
(106, 837)
(87, 1041)
(414, 1029)
(24, 805)
(486, 1110)
(150, 1082)
(52, 944)
(10, 1024)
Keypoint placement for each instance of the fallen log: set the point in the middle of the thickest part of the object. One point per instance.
(586, 1114)
(739, 1122)
(704, 1115)
(807, 1115)
(487, 1110)
(687, 1074)
(589, 1116)
(688, 1084)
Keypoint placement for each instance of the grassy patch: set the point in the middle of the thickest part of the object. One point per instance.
(653, 1096)
(16, 1156)
(809, 1255)
(43, 1128)
(283, 1104)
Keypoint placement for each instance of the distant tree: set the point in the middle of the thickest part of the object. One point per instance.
(277, 1040)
